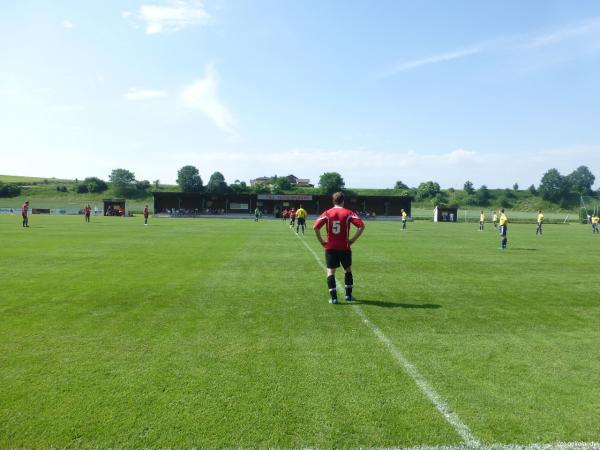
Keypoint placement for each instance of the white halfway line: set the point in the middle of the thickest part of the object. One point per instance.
(451, 417)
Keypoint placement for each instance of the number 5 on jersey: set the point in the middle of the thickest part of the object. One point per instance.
(336, 227)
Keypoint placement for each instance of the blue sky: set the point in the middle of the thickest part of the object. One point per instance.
(492, 92)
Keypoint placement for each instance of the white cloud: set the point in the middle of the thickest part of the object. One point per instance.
(443, 57)
(136, 94)
(502, 43)
(563, 34)
(203, 95)
(68, 24)
(171, 17)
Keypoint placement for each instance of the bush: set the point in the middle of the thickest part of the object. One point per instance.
(9, 190)
(509, 194)
(95, 185)
(142, 185)
(471, 200)
(505, 202)
(81, 189)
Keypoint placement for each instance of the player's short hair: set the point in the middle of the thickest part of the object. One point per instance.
(338, 198)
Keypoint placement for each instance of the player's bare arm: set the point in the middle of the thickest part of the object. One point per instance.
(354, 238)
(319, 237)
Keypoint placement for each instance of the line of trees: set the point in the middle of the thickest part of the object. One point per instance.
(558, 188)
(553, 187)
(189, 180)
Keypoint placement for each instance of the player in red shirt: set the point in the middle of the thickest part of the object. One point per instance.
(337, 247)
(146, 213)
(24, 210)
(292, 217)
(87, 211)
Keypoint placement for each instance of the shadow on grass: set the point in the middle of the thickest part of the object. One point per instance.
(382, 304)
(525, 249)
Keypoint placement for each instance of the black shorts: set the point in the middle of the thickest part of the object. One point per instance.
(503, 230)
(334, 258)
(300, 221)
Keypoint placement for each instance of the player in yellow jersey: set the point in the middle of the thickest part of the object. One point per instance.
(404, 217)
(540, 222)
(300, 219)
(481, 220)
(503, 227)
(495, 219)
(595, 220)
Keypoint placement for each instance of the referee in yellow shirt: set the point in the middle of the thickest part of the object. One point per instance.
(481, 221)
(503, 226)
(301, 218)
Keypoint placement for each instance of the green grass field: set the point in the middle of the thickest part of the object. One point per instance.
(217, 333)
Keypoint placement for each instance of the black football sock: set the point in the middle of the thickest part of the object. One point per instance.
(331, 286)
(348, 281)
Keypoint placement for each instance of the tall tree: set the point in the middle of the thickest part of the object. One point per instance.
(428, 189)
(553, 186)
(468, 187)
(122, 181)
(188, 179)
(483, 195)
(280, 184)
(216, 183)
(581, 180)
(94, 184)
(331, 182)
(239, 187)
(400, 185)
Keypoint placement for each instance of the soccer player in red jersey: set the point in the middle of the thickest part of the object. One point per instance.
(292, 217)
(146, 213)
(87, 211)
(337, 247)
(24, 210)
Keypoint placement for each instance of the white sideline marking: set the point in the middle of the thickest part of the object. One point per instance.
(451, 417)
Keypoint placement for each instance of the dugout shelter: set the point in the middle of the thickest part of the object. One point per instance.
(445, 213)
(115, 207)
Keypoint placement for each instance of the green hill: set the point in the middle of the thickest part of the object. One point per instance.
(57, 193)
(19, 179)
